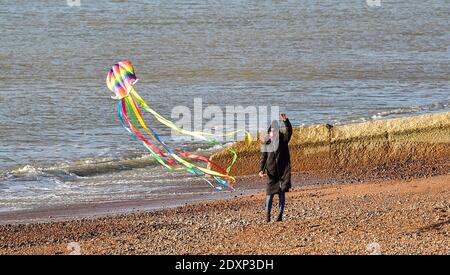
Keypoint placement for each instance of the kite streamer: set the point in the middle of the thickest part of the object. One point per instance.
(121, 80)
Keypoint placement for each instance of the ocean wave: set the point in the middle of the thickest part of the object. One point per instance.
(438, 106)
(86, 167)
(72, 170)
(214, 148)
(34, 173)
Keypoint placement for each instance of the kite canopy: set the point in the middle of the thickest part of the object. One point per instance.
(121, 78)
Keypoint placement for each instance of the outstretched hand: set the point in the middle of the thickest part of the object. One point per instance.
(261, 174)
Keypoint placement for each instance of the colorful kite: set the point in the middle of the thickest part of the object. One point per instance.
(120, 80)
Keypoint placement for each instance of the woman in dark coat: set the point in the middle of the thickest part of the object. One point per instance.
(276, 165)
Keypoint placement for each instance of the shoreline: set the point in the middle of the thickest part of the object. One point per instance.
(55, 213)
(400, 202)
(91, 210)
(410, 216)
(409, 147)
(248, 185)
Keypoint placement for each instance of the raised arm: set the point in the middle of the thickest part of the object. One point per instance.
(288, 125)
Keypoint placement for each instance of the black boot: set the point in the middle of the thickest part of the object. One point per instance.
(279, 219)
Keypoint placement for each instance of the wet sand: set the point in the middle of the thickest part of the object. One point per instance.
(397, 215)
(103, 209)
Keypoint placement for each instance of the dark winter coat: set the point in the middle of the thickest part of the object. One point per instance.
(277, 163)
